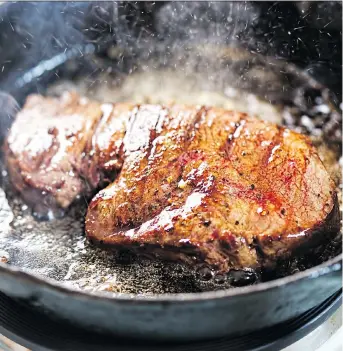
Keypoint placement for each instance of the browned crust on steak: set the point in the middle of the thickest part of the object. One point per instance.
(221, 187)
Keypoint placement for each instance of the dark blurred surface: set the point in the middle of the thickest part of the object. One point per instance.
(306, 33)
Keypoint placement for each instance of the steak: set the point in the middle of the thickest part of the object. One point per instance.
(198, 185)
(45, 150)
(205, 185)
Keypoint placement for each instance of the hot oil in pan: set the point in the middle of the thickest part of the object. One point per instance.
(58, 249)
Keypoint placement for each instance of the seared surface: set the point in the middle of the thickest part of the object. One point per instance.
(45, 149)
(193, 184)
(214, 186)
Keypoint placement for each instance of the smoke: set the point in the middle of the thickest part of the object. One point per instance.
(34, 32)
(8, 109)
(31, 32)
(215, 22)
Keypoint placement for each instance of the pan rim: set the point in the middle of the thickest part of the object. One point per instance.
(332, 265)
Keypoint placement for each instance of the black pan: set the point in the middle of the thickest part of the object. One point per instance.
(48, 264)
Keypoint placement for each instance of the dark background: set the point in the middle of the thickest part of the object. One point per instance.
(306, 33)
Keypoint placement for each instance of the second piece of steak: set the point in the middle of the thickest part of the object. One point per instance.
(214, 186)
(46, 147)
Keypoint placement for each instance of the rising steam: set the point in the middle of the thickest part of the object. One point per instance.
(8, 109)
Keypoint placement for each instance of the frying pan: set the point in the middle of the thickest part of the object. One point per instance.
(49, 265)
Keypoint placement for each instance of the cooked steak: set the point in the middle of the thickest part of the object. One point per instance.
(45, 149)
(214, 186)
(193, 184)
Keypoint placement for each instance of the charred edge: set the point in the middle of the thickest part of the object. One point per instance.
(229, 140)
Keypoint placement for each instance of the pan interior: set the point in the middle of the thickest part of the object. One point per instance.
(233, 79)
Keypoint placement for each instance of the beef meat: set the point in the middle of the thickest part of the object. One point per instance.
(192, 184)
(46, 147)
(205, 185)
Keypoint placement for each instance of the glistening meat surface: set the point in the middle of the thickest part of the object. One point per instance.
(45, 150)
(207, 185)
(194, 184)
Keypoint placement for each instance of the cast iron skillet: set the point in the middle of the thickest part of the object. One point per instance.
(174, 315)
